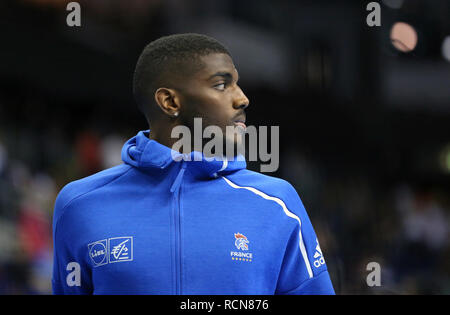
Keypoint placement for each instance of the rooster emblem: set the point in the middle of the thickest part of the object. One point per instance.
(241, 241)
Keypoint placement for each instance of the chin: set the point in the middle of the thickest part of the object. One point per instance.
(235, 146)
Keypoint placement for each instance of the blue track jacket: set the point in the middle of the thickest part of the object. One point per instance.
(154, 225)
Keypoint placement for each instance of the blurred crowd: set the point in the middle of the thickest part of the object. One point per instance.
(28, 189)
(403, 226)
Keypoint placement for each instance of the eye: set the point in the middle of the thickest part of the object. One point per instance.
(220, 86)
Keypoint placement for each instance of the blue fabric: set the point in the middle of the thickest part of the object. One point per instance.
(160, 225)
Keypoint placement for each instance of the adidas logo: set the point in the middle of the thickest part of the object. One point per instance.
(318, 256)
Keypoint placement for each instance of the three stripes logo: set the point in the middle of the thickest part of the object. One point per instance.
(318, 256)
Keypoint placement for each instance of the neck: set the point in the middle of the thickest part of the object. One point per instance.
(161, 132)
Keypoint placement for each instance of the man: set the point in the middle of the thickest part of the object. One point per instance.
(163, 224)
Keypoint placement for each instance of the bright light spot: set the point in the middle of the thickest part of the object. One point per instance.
(403, 37)
(446, 48)
(393, 4)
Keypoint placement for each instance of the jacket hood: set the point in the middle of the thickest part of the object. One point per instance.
(147, 154)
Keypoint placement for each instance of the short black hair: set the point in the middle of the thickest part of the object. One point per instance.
(168, 56)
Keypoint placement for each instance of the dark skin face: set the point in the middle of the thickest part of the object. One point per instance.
(211, 93)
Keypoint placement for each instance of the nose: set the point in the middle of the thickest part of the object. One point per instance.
(240, 101)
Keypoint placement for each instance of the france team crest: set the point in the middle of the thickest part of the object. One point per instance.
(241, 243)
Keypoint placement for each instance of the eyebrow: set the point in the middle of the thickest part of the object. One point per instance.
(225, 75)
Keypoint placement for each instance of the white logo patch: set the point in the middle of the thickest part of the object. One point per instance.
(98, 252)
(111, 250)
(121, 249)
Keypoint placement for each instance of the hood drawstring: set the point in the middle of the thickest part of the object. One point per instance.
(177, 182)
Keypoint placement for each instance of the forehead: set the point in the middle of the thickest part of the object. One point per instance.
(214, 63)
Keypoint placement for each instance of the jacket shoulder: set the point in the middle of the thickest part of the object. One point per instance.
(269, 185)
(78, 188)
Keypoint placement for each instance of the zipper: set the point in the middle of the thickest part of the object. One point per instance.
(176, 190)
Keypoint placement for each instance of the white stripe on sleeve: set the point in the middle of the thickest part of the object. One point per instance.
(286, 211)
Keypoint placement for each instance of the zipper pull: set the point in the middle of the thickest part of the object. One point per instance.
(177, 182)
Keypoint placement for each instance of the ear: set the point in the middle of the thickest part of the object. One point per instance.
(168, 101)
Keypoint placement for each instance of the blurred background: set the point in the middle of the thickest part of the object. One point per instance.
(364, 116)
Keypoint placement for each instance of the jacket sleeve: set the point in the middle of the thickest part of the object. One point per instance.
(71, 274)
(303, 270)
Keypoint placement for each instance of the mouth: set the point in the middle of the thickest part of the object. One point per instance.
(240, 122)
